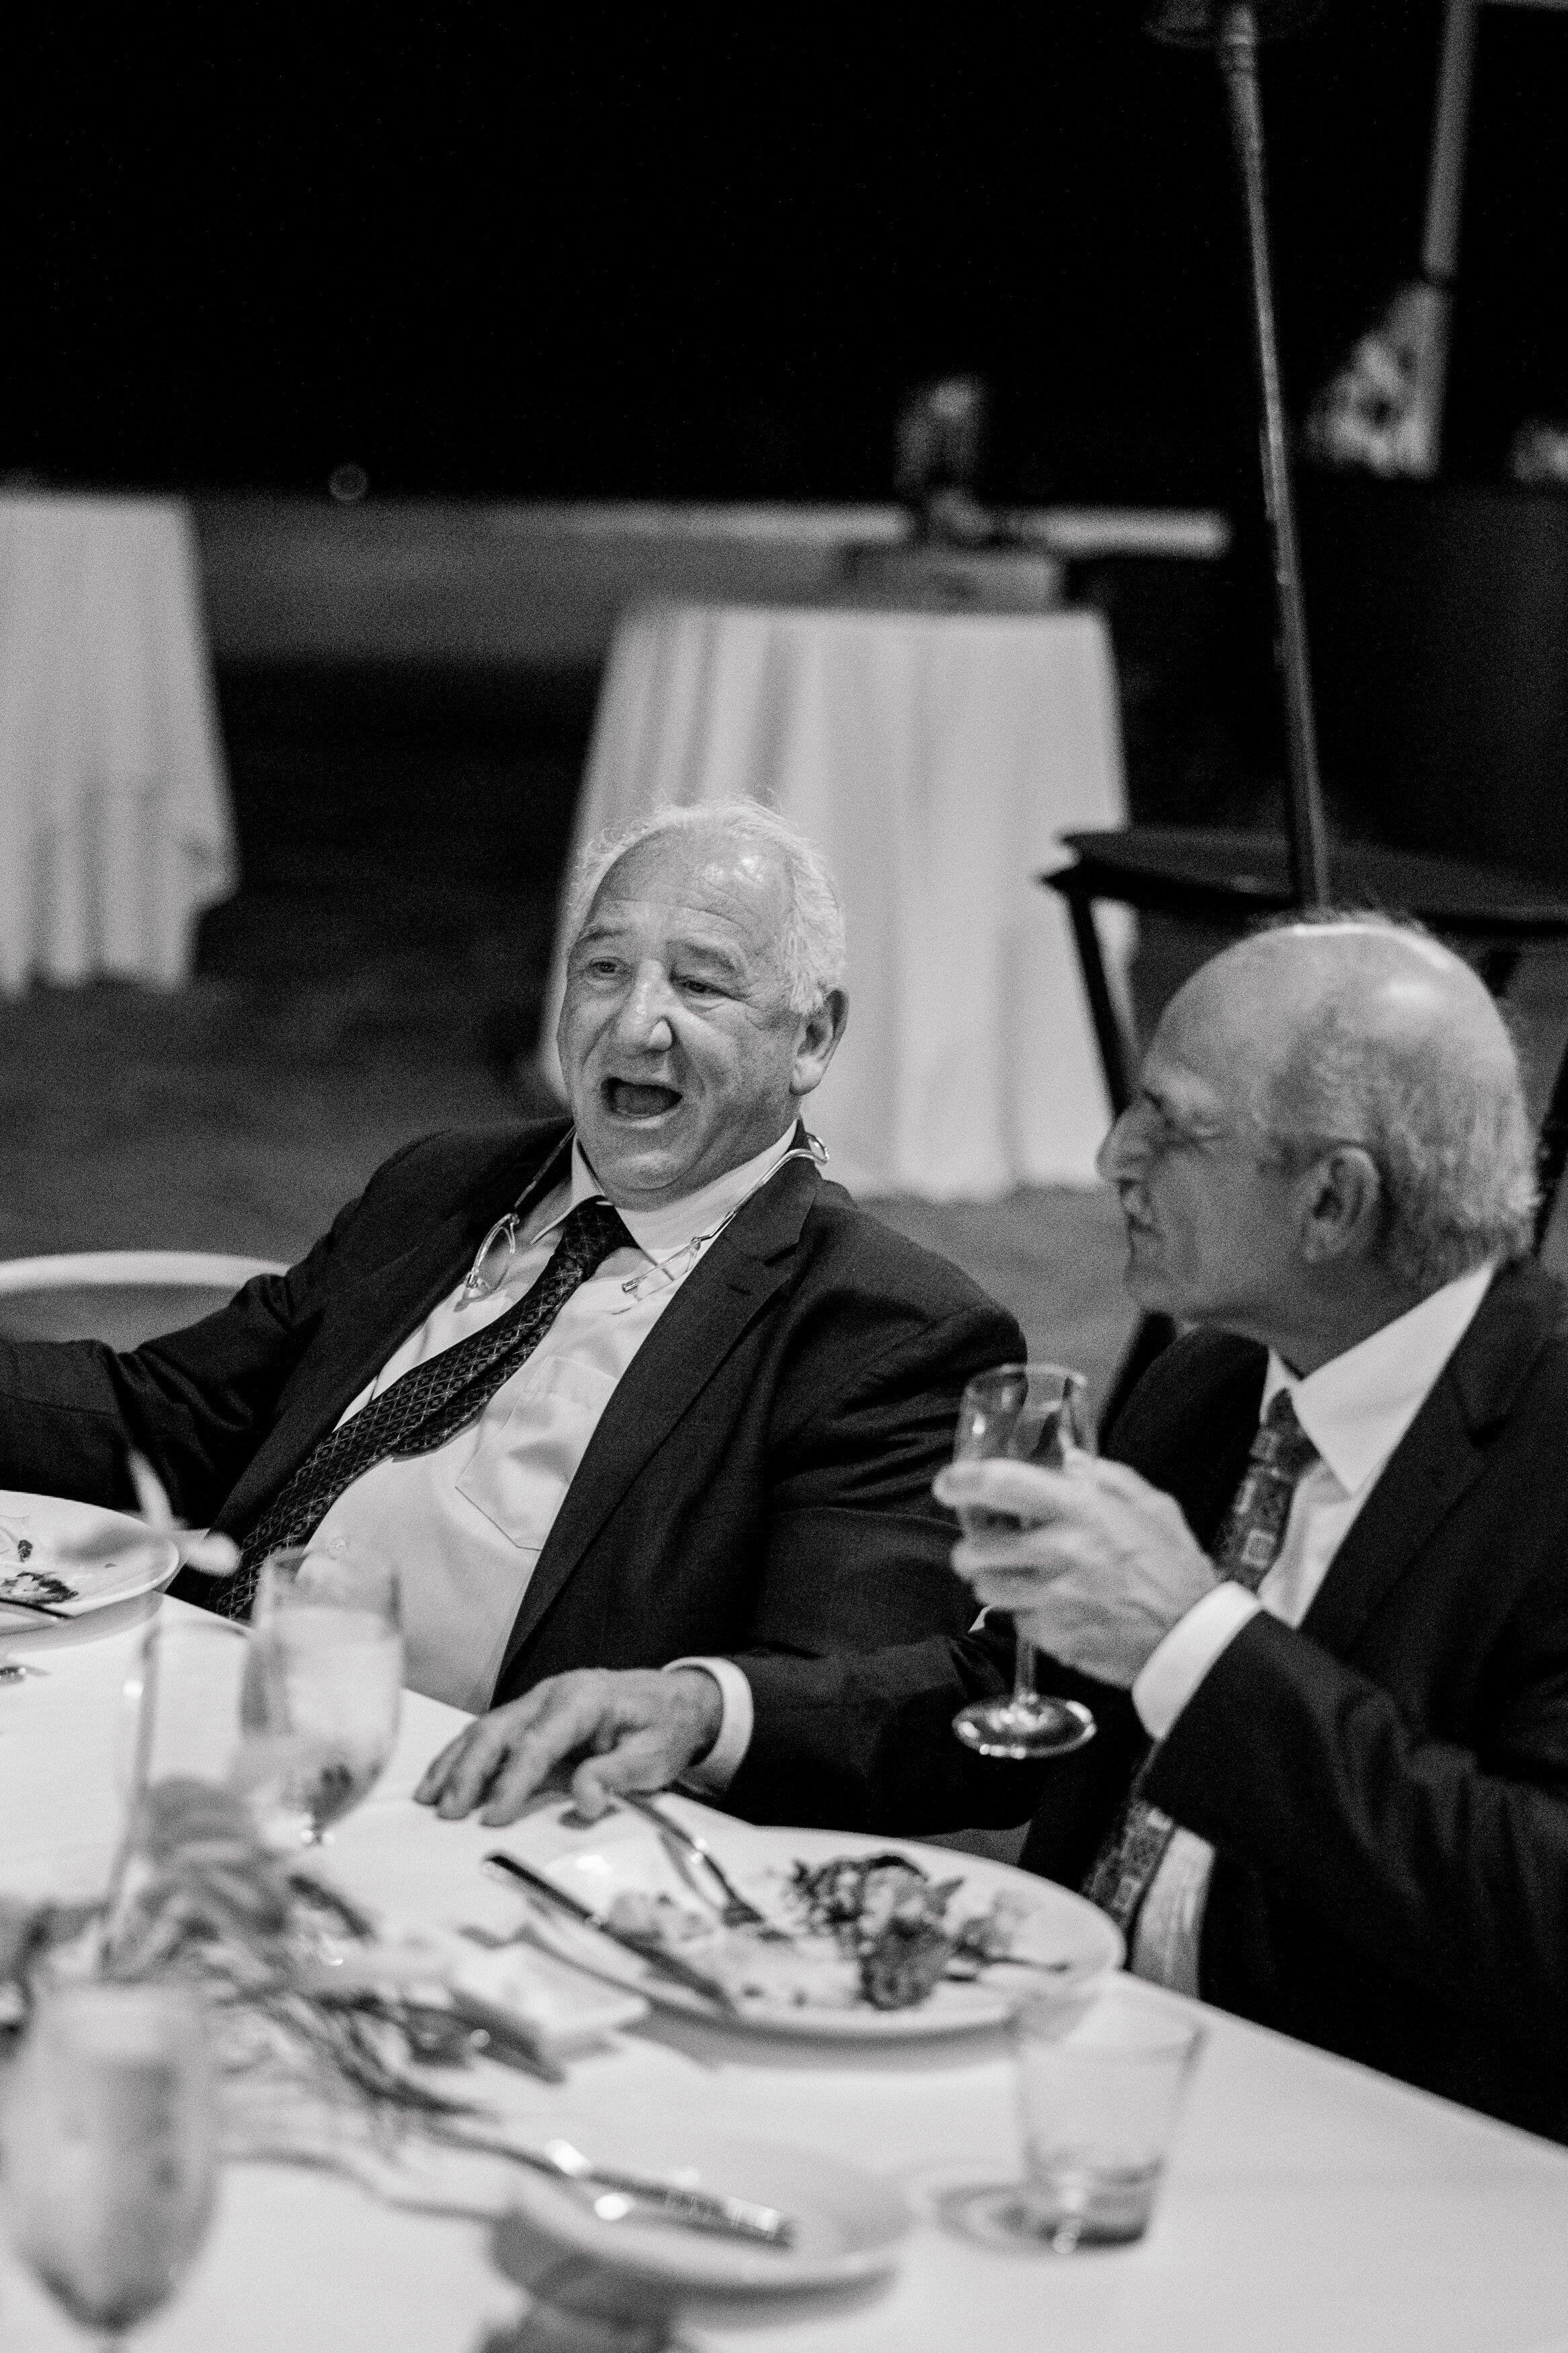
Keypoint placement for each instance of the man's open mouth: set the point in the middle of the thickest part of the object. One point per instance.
(629, 1100)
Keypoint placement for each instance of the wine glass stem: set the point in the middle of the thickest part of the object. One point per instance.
(1024, 1685)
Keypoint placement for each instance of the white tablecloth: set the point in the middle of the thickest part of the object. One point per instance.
(1311, 2205)
(935, 758)
(114, 823)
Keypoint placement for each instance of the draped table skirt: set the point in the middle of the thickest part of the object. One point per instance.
(114, 820)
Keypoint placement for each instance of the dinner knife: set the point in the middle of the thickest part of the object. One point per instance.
(646, 1948)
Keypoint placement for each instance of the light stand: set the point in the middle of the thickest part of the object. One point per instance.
(1232, 29)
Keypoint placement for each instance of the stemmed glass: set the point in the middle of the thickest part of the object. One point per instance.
(1028, 1413)
(323, 1688)
(109, 2138)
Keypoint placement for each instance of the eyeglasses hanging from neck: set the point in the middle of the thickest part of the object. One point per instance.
(493, 1259)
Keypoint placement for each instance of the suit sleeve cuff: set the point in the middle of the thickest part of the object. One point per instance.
(714, 1772)
(1172, 1674)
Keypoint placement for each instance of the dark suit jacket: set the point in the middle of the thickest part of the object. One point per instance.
(760, 1480)
(1386, 1789)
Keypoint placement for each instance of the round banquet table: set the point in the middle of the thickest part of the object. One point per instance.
(935, 758)
(114, 818)
(1309, 2203)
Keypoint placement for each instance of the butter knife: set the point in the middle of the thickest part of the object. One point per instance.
(696, 2210)
(648, 1949)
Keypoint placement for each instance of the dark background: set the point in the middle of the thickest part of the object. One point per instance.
(642, 256)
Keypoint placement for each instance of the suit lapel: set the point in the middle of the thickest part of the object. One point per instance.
(379, 1311)
(696, 1333)
(1434, 1464)
(1440, 1457)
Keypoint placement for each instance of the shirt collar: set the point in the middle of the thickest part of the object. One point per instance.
(1357, 1406)
(660, 1234)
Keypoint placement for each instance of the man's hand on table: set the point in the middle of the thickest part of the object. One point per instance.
(634, 1730)
(1105, 1568)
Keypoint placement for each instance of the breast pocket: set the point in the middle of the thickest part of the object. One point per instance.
(530, 1444)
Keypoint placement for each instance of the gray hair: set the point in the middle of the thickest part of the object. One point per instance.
(811, 946)
(1438, 1106)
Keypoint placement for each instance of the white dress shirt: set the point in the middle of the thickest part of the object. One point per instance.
(1355, 1410)
(466, 1522)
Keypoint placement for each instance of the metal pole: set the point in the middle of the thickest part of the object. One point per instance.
(1236, 46)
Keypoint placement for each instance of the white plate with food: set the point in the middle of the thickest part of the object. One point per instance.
(848, 2226)
(62, 1560)
(883, 1938)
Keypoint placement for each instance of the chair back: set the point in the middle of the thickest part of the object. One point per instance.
(121, 1297)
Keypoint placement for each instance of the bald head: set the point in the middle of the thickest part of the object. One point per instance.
(1361, 1030)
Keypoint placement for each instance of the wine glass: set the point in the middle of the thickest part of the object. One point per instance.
(1030, 1413)
(109, 2145)
(323, 1688)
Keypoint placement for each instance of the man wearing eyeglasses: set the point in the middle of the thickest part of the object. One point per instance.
(1318, 1597)
(606, 1391)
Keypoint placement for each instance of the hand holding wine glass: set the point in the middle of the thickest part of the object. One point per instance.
(1034, 1413)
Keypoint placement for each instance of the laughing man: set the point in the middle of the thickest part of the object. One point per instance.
(610, 1391)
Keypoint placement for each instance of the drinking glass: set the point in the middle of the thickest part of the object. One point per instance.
(321, 1690)
(109, 2148)
(179, 1716)
(1030, 1413)
(1100, 2080)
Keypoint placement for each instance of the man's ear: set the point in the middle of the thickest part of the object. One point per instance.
(818, 1041)
(1341, 1207)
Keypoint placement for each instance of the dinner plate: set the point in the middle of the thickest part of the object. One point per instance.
(623, 1852)
(77, 1557)
(850, 2225)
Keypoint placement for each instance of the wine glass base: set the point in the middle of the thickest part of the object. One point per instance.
(1021, 1728)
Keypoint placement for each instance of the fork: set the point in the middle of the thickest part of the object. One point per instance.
(735, 1910)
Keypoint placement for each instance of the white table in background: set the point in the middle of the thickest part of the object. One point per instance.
(935, 758)
(114, 819)
(1311, 2205)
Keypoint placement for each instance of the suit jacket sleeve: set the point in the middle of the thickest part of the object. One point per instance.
(195, 1403)
(857, 1549)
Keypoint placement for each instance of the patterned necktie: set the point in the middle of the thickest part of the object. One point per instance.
(1134, 1847)
(430, 1403)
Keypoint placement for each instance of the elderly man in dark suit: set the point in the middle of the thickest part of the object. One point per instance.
(1317, 1597)
(607, 1390)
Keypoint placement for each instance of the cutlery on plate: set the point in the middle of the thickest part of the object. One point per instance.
(646, 1948)
(965, 1969)
(198, 1547)
(736, 1911)
(696, 2209)
(44, 1609)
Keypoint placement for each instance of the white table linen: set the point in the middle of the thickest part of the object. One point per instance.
(935, 759)
(1309, 2203)
(114, 820)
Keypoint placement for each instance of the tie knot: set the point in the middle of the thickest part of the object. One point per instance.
(1281, 1444)
(590, 1232)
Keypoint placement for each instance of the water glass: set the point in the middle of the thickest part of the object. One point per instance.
(1100, 2079)
(179, 1718)
(109, 2148)
(323, 1688)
